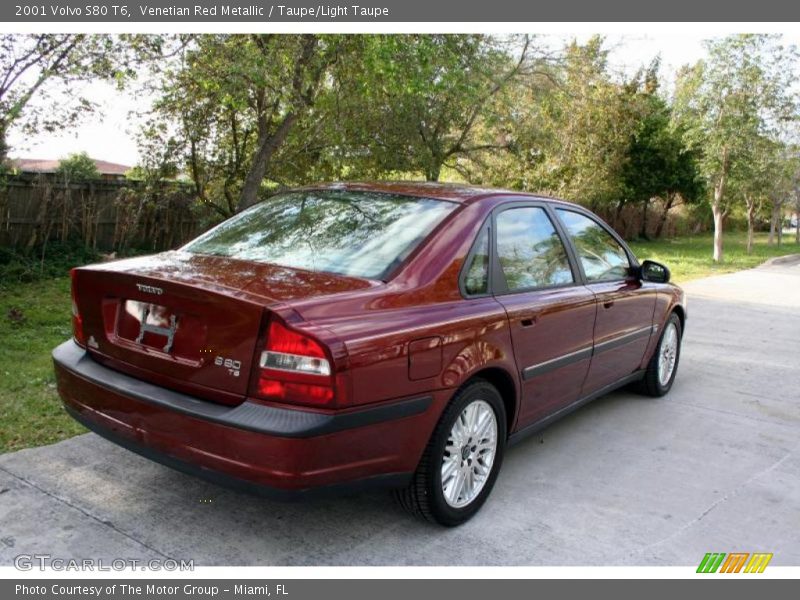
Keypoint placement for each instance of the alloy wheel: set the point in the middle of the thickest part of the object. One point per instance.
(668, 354)
(469, 454)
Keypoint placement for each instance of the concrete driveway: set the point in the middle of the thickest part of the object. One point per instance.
(627, 480)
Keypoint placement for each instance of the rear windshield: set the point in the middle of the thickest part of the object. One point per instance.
(361, 234)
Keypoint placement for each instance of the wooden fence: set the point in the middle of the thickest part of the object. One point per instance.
(105, 215)
(120, 215)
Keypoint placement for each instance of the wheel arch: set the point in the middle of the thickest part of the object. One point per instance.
(678, 310)
(504, 382)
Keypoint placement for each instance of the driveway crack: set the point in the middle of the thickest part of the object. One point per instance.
(750, 417)
(731, 494)
(85, 512)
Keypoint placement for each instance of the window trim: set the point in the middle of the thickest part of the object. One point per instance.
(486, 226)
(500, 285)
(633, 262)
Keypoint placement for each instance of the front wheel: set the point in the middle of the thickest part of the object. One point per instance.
(461, 462)
(663, 365)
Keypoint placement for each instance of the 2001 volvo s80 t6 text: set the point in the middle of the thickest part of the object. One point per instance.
(343, 336)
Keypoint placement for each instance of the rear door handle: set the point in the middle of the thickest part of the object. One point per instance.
(529, 321)
(608, 304)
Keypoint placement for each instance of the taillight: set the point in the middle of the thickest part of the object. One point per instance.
(77, 320)
(294, 368)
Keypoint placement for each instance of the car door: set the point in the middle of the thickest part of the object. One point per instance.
(551, 315)
(625, 304)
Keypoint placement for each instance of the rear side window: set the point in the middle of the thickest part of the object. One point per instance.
(476, 281)
(362, 234)
(530, 252)
(601, 256)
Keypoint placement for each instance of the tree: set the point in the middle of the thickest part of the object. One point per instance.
(418, 103)
(571, 131)
(764, 178)
(684, 185)
(726, 102)
(796, 217)
(77, 167)
(231, 104)
(796, 198)
(47, 67)
(782, 173)
(658, 165)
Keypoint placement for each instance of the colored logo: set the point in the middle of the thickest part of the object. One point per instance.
(735, 562)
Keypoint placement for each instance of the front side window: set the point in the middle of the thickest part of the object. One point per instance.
(602, 257)
(361, 234)
(530, 252)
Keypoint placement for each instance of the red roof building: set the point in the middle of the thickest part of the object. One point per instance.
(108, 170)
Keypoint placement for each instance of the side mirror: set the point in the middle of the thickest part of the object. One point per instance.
(653, 271)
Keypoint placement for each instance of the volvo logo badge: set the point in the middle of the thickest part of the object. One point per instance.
(168, 332)
(149, 289)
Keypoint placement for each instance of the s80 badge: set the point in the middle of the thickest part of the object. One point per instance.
(233, 366)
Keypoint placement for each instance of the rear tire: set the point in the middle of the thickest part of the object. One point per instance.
(663, 365)
(462, 459)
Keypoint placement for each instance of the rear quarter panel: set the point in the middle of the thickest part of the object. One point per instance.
(380, 325)
(474, 335)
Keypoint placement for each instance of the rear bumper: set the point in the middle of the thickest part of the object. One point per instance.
(272, 451)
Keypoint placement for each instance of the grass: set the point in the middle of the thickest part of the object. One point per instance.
(35, 318)
(691, 257)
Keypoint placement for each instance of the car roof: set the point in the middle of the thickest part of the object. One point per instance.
(453, 192)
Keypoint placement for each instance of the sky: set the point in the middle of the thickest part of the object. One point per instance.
(110, 133)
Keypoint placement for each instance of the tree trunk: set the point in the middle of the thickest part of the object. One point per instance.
(797, 227)
(716, 206)
(305, 81)
(643, 230)
(662, 221)
(774, 224)
(618, 224)
(771, 238)
(718, 216)
(433, 172)
(797, 220)
(751, 216)
(267, 145)
(3, 142)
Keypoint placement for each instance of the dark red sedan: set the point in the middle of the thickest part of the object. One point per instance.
(343, 336)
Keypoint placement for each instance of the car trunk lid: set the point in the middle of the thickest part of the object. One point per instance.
(186, 321)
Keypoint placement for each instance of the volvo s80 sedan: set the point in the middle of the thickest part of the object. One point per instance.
(344, 336)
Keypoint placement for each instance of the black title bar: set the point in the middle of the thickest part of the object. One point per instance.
(393, 11)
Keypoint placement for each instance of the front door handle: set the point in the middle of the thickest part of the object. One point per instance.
(608, 304)
(528, 321)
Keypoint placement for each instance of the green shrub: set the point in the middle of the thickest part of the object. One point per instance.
(53, 260)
